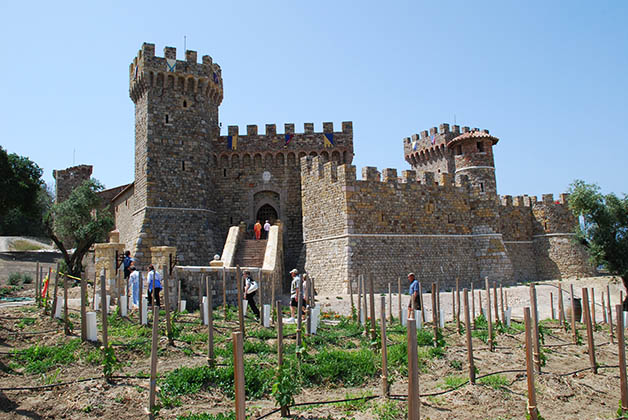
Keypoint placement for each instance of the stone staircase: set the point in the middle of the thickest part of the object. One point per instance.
(250, 253)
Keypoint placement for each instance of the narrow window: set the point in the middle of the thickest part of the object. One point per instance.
(230, 220)
(458, 150)
(480, 146)
(545, 225)
(183, 165)
(185, 103)
(481, 187)
(167, 119)
(224, 173)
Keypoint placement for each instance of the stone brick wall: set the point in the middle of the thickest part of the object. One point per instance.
(68, 179)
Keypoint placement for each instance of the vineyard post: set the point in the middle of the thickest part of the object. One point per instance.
(83, 309)
(413, 370)
(141, 300)
(496, 303)
(53, 309)
(472, 305)
(238, 372)
(622, 358)
(399, 298)
(240, 309)
(561, 307)
(200, 297)
(458, 305)
(552, 306)
(210, 321)
(421, 300)
(103, 307)
(574, 332)
(178, 308)
(153, 361)
(372, 307)
(532, 409)
(351, 296)
(66, 321)
(587, 320)
(359, 300)
(593, 307)
(610, 312)
(284, 409)
(535, 328)
(390, 317)
(434, 317)
(488, 313)
(224, 291)
(604, 309)
(37, 284)
(501, 297)
(385, 385)
(166, 287)
(299, 309)
(467, 324)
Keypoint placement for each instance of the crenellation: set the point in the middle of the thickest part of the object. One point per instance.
(370, 173)
(271, 130)
(415, 137)
(328, 127)
(147, 51)
(347, 127)
(564, 199)
(408, 176)
(191, 56)
(233, 130)
(424, 134)
(251, 130)
(456, 129)
(330, 171)
(170, 53)
(207, 61)
(443, 128)
(466, 129)
(548, 198)
(428, 178)
(433, 131)
(289, 128)
(507, 200)
(389, 175)
(519, 202)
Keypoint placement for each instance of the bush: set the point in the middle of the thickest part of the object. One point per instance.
(15, 279)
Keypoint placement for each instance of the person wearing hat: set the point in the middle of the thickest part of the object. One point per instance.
(415, 298)
(250, 288)
(134, 282)
(294, 292)
(266, 229)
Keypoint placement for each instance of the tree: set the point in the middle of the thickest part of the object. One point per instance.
(79, 222)
(603, 228)
(23, 196)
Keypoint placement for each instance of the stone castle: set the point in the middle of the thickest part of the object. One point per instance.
(443, 219)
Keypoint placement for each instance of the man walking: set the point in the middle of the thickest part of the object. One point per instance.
(266, 229)
(415, 298)
(295, 291)
(154, 285)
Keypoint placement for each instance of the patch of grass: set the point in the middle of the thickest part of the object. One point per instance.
(25, 322)
(262, 333)
(23, 245)
(207, 416)
(390, 410)
(350, 368)
(452, 381)
(360, 405)
(257, 347)
(455, 364)
(41, 358)
(495, 381)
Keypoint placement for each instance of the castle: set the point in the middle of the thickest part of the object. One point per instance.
(443, 219)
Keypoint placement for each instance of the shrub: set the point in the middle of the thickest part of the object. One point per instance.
(15, 279)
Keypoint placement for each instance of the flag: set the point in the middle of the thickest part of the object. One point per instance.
(433, 138)
(328, 140)
(288, 138)
(45, 288)
(414, 145)
(215, 77)
(232, 142)
(171, 64)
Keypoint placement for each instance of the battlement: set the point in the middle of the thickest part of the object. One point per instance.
(427, 141)
(322, 142)
(532, 200)
(68, 179)
(190, 76)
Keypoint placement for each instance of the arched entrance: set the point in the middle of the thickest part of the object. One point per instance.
(267, 212)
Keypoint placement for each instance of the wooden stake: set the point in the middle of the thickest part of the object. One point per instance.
(240, 309)
(480, 302)
(54, 300)
(399, 298)
(610, 312)
(382, 314)
(224, 291)
(178, 309)
(501, 297)
(604, 309)
(200, 297)
(141, 298)
(153, 361)
(284, 409)
(166, 288)
(66, 321)
(308, 319)
(434, 317)
(37, 284)
(623, 383)
(488, 312)
(238, 371)
(83, 309)
(421, 297)
(458, 305)
(506, 298)
(210, 321)
(587, 319)
(299, 310)
(593, 307)
(496, 303)
(48, 288)
(359, 299)
(262, 282)
(413, 368)
(467, 323)
(390, 317)
(94, 291)
(532, 409)
(552, 306)
(272, 295)
(365, 298)
(372, 307)
(535, 328)
(472, 306)
(351, 296)
(438, 300)
(103, 307)
(574, 333)
(561, 307)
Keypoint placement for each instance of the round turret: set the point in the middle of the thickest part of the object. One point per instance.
(473, 157)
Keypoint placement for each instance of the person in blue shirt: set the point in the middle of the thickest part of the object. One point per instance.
(154, 285)
(126, 262)
(415, 298)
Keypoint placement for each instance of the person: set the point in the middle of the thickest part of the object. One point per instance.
(126, 262)
(266, 229)
(294, 292)
(258, 230)
(415, 298)
(154, 285)
(134, 283)
(250, 288)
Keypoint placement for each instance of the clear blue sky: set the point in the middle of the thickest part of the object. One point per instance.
(548, 78)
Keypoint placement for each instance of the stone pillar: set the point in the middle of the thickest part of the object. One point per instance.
(105, 257)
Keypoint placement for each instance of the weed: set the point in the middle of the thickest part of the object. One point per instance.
(52, 378)
(455, 364)
(337, 366)
(24, 322)
(110, 362)
(390, 410)
(42, 358)
(494, 381)
(207, 416)
(15, 279)
(453, 381)
(360, 405)
(285, 387)
(259, 347)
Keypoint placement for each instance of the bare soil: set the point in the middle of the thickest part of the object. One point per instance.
(566, 389)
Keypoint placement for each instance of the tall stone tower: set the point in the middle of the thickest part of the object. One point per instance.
(176, 118)
(473, 157)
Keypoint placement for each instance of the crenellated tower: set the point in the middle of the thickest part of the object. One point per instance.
(176, 119)
(473, 156)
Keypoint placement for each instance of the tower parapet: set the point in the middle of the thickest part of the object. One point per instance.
(473, 156)
(68, 179)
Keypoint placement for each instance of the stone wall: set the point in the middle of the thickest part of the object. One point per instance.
(68, 179)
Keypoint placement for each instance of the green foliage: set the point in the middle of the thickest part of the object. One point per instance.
(390, 410)
(456, 364)
(358, 405)
(23, 196)
(207, 416)
(286, 385)
(494, 381)
(453, 381)
(25, 322)
(42, 358)
(604, 230)
(350, 368)
(110, 362)
(79, 222)
(15, 279)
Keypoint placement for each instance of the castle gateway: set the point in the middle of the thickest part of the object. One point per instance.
(442, 219)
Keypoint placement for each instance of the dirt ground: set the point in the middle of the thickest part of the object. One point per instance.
(566, 389)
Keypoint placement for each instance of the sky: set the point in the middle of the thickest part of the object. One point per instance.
(549, 79)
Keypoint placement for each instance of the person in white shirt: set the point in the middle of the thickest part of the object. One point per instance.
(294, 292)
(134, 284)
(250, 288)
(266, 229)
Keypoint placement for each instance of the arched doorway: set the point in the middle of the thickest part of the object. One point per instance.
(267, 212)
